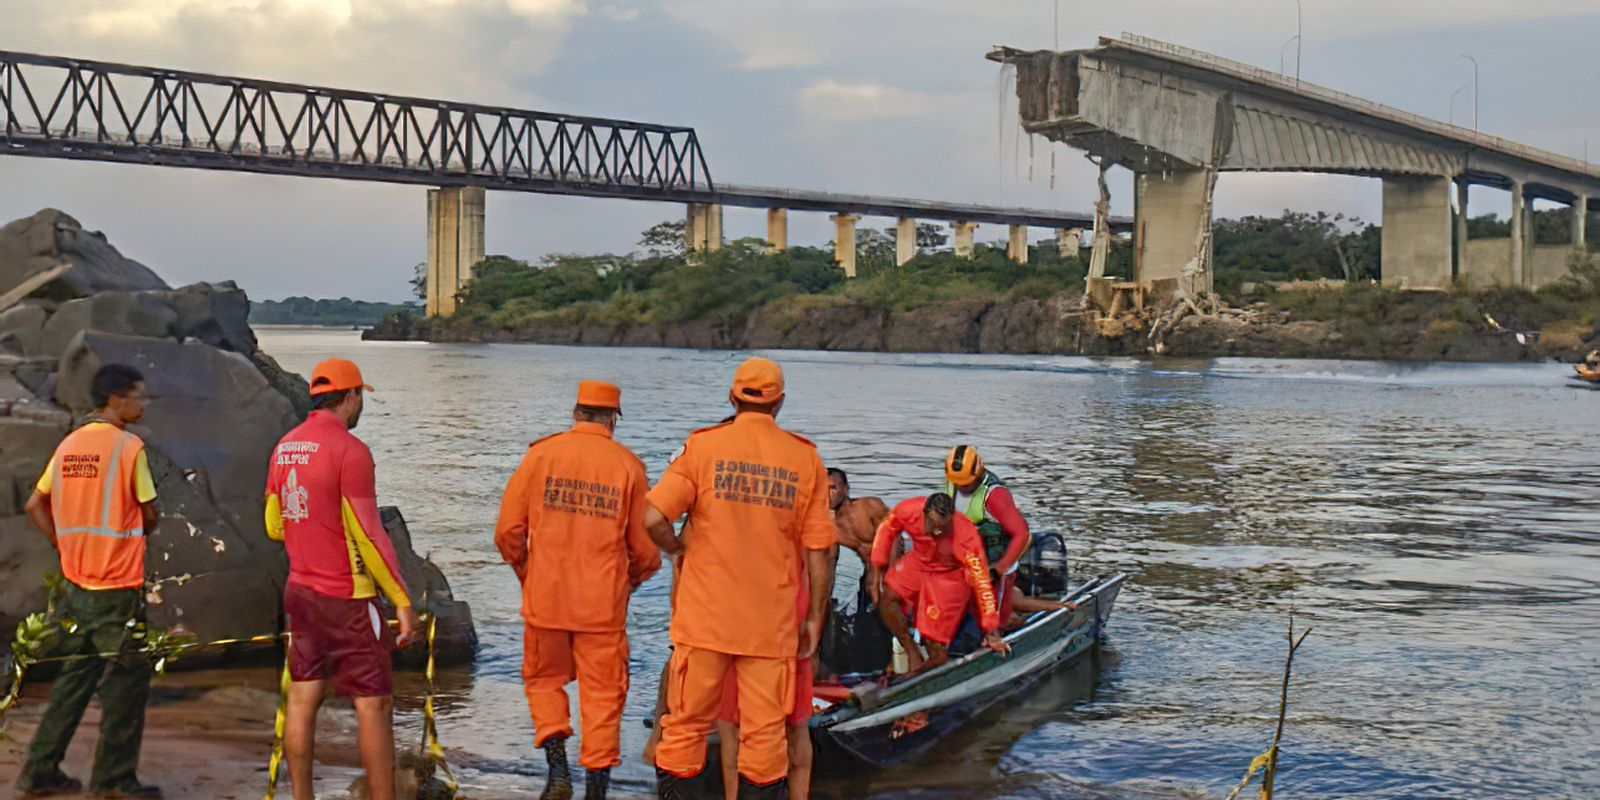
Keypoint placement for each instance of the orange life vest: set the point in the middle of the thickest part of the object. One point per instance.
(99, 525)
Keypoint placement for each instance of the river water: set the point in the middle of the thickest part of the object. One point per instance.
(1437, 525)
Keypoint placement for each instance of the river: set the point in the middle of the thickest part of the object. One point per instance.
(1437, 525)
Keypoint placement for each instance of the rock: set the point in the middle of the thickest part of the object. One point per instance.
(34, 244)
(209, 409)
(25, 556)
(456, 640)
(146, 314)
(26, 443)
(215, 313)
(22, 327)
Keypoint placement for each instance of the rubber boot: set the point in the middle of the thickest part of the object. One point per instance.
(672, 787)
(778, 790)
(558, 785)
(596, 783)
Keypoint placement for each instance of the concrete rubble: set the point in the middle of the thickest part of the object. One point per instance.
(218, 405)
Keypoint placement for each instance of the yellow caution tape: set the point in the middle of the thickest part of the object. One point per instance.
(430, 729)
(275, 764)
(1256, 765)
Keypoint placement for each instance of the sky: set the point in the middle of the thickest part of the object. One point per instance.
(888, 97)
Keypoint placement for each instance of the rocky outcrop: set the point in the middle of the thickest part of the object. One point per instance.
(217, 406)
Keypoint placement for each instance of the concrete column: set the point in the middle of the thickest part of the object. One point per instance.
(1017, 243)
(844, 242)
(1461, 228)
(905, 240)
(1069, 241)
(1169, 210)
(1416, 232)
(703, 227)
(777, 229)
(963, 237)
(455, 244)
(1580, 222)
(1519, 248)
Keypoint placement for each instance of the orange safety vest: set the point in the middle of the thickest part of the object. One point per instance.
(99, 525)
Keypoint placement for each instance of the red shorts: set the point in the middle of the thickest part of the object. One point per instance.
(798, 715)
(936, 600)
(338, 639)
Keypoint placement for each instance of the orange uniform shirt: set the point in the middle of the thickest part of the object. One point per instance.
(959, 549)
(757, 496)
(572, 525)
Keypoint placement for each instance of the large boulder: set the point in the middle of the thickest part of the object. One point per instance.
(22, 328)
(31, 245)
(131, 313)
(456, 639)
(25, 556)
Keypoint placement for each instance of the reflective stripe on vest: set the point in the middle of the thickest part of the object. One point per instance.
(99, 523)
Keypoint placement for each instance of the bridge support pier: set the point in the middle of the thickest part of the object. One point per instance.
(1017, 243)
(1461, 268)
(905, 241)
(703, 227)
(1068, 242)
(777, 229)
(844, 242)
(1519, 244)
(1170, 210)
(1416, 232)
(1580, 223)
(455, 244)
(963, 237)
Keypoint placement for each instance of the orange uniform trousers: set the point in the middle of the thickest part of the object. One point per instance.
(551, 659)
(694, 695)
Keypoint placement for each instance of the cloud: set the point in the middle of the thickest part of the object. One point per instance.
(831, 101)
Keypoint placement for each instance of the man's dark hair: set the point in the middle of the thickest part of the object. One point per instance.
(939, 503)
(595, 413)
(113, 380)
(832, 471)
(329, 400)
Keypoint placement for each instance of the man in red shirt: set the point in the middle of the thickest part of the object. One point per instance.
(322, 504)
(944, 570)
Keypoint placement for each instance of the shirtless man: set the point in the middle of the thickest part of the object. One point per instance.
(856, 522)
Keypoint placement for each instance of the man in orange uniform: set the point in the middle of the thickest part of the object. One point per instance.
(96, 504)
(944, 570)
(572, 527)
(757, 498)
(322, 503)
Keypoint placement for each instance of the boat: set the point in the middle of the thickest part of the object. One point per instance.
(880, 722)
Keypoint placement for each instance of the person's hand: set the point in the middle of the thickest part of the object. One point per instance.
(810, 635)
(410, 627)
(995, 642)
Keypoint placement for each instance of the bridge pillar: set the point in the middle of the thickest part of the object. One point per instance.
(1069, 241)
(777, 229)
(844, 242)
(905, 241)
(1580, 222)
(1170, 210)
(1416, 232)
(963, 237)
(1519, 247)
(1017, 243)
(1461, 268)
(703, 227)
(455, 244)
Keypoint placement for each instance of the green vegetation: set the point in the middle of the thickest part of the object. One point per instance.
(343, 312)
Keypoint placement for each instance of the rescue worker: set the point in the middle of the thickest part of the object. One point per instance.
(322, 504)
(572, 527)
(757, 497)
(95, 502)
(983, 498)
(855, 518)
(944, 571)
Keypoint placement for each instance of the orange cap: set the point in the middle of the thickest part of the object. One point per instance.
(336, 375)
(599, 394)
(757, 380)
(962, 465)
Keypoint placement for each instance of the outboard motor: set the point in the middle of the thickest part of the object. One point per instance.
(1043, 571)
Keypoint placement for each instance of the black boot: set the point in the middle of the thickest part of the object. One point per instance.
(672, 787)
(558, 785)
(778, 790)
(596, 783)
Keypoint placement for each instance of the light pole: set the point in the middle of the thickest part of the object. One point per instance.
(1300, 34)
(1453, 94)
(1285, 47)
(1474, 89)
